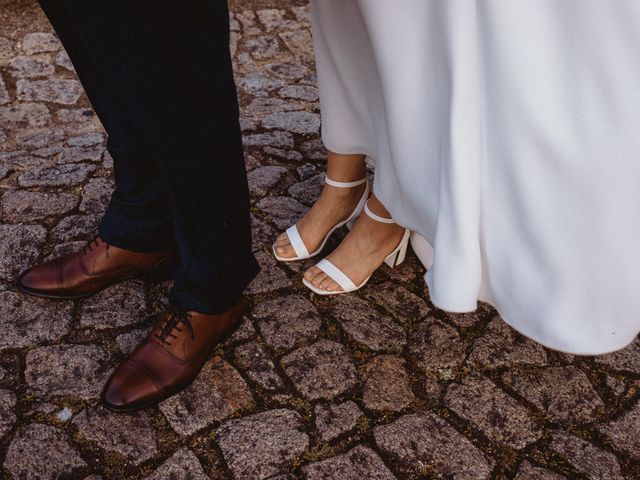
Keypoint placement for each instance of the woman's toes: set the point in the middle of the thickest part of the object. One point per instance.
(321, 280)
(311, 273)
(331, 286)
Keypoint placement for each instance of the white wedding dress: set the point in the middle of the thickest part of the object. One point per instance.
(506, 135)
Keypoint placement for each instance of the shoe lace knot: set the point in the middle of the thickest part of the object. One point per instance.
(176, 318)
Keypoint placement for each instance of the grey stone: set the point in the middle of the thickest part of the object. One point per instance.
(270, 277)
(7, 410)
(276, 139)
(427, 440)
(586, 458)
(468, 319)
(78, 370)
(259, 83)
(335, 420)
(616, 386)
(259, 367)
(320, 371)
(274, 19)
(627, 359)
(75, 227)
(501, 346)
(283, 211)
(62, 249)
(563, 393)
(263, 47)
(4, 93)
(129, 435)
(493, 412)
(358, 463)
(28, 322)
(302, 15)
(287, 321)
(288, 70)
(87, 140)
(47, 152)
(217, 393)
(25, 115)
(528, 471)
(31, 67)
(247, 124)
(182, 465)
(290, 155)
(263, 106)
(42, 452)
(121, 305)
(56, 176)
(367, 326)
(404, 306)
(6, 50)
(300, 44)
(35, 138)
(299, 92)
(296, 122)
(63, 60)
(92, 153)
(263, 179)
(386, 384)
(77, 120)
(259, 446)
(308, 191)
(243, 333)
(96, 196)
(19, 248)
(625, 431)
(129, 340)
(62, 91)
(38, 42)
(307, 171)
(262, 235)
(23, 206)
(434, 346)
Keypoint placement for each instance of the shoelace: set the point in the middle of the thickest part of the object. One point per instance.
(95, 243)
(176, 317)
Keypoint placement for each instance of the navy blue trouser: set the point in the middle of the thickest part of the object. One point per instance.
(159, 76)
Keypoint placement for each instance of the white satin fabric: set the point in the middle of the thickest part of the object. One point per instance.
(507, 134)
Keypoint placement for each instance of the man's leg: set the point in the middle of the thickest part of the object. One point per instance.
(169, 61)
(167, 64)
(136, 233)
(137, 217)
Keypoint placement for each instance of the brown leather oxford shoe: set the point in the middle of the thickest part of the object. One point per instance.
(168, 360)
(94, 268)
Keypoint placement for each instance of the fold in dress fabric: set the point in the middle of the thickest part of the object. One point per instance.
(506, 135)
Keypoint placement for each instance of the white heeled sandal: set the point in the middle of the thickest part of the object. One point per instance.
(296, 240)
(394, 259)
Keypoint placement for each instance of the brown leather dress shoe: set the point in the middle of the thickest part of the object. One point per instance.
(168, 360)
(95, 267)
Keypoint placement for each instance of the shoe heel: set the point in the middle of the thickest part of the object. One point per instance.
(399, 254)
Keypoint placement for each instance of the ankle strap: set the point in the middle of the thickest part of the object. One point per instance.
(377, 218)
(334, 183)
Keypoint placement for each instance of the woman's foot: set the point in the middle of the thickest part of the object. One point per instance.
(335, 205)
(362, 251)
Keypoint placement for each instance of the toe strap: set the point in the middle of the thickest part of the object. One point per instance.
(337, 275)
(296, 242)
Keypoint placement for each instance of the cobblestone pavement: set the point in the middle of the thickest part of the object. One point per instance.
(377, 385)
